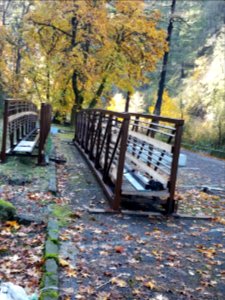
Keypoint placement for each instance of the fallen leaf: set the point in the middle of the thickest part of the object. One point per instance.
(71, 273)
(119, 249)
(119, 282)
(150, 285)
(13, 224)
(63, 262)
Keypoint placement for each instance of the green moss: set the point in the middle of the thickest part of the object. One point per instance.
(55, 256)
(55, 241)
(7, 210)
(7, 204)
(62, 213)
(50, 294)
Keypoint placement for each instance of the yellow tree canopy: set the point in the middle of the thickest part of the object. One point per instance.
(74, 52)
(170, 107)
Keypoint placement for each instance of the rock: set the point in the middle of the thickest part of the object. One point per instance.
(53, 230)
(18, 181)
(7, 210)
(52, 187)
(53, 235)
(51, 266)
(51, 280)
(51, 250)
(53, 225)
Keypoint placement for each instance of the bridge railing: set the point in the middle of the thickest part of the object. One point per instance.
(20, 131)
(131, 154)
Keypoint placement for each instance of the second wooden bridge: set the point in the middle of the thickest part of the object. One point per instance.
(131, 154)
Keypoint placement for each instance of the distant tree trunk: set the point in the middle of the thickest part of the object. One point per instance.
(18, 60)
(127, 104)
(78, 99)
(48, 85)
(158, 105)
(219, 133)
(6, 5)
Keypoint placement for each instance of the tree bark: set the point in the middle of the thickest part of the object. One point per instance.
(127, 104)
(98, 94)
(161, 87)
(48, 85)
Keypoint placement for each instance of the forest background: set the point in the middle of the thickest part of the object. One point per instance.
(79, 54)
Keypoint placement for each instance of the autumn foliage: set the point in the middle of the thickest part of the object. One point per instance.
(74, 52)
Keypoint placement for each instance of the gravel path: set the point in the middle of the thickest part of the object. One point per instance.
(202, 170)
(114, 256)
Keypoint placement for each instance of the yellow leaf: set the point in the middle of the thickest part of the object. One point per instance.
(220, 220)
(71, 273)
(139, 278)
(155, 252)
(136, 292)
(13, 224)
(150, 285)
(63, 262)
(119, 282)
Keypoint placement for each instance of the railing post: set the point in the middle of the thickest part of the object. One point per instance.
(107, 150)
(121, 162)
(76, 126)
(4, 134)
(174, 168)
(88, 131)
(135, 128)
(93, 134)
(98, 133)
(41, 138)
(45, 125)
(83, 129)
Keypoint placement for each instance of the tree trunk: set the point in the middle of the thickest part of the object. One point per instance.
(98, 94)
(48, 86)
(127, 104)
(18, 60)
(158, 105)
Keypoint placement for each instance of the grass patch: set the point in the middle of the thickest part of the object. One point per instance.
(23, 169)
(62, 213)
(48, 145)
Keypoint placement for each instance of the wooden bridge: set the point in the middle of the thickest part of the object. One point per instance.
(132, 155)
(21, 133)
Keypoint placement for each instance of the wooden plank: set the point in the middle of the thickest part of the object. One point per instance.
(156, 143)
(124, 212)
(141, 166)
(26, 146)
(23, 149)
(20, 115)
(145, 193)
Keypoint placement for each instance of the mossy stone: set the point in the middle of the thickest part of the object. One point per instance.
(51, 266)
(7, 210)
(53, 229)
(51, 250)
(51, 280)
(49, 295)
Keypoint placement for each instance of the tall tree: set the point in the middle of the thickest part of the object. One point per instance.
(94, 58)
(158, 105)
